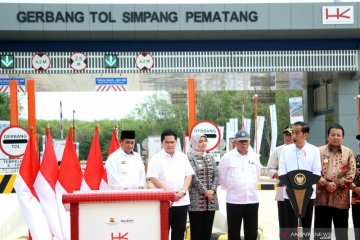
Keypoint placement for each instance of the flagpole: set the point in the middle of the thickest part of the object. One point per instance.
(74, 135)
(116, 128)
(184, 141)
(256, 123)
(242, 114)
(61, 122)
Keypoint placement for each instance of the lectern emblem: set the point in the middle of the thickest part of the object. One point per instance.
(300, 179)
(112, 221)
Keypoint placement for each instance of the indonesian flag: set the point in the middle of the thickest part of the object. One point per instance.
(113, 146)
(94, 171)
(28, 199)
(45, 186)
(69, 180)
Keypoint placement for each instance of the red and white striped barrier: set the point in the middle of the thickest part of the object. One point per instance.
(108, 88)
(7, 89)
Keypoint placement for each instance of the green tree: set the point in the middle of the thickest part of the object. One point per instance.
(4, 106)
(156, 114)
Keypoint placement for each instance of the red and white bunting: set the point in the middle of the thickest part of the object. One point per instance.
(110, 88)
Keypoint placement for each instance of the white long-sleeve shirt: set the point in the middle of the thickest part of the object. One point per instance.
(239, 175)
(307, 158)
(125, 171)
(171, 170)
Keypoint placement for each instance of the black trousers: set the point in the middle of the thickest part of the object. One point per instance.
(235, 214)
(177, 221)
(356, 219)
(324, 216)
(291, 222)
(281, 217)
(201, 223)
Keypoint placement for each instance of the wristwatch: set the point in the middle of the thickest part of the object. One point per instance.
(183, 192)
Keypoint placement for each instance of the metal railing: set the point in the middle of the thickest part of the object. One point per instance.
(199, 62)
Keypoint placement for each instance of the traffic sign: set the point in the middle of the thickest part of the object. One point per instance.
(5, 84)
(6, 81)
(10, 163)
(7, 61)
(211, 130)
(78, 61)
(110, 84)
(111, 61)
(144, 61)
(13, 141)
(111, 81)
(41, 62)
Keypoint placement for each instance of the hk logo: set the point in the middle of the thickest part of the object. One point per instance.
(119, 236)
(338, 15)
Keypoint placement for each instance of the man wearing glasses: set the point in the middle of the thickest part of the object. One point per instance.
(239, 172)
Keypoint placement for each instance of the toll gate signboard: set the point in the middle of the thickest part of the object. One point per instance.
(13, 141)
(211, 130)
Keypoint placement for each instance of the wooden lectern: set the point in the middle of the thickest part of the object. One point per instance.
(119, 215)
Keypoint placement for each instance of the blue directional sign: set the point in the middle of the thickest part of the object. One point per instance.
(111, 81)
(111, 61)
(6, 81)
(7, 61)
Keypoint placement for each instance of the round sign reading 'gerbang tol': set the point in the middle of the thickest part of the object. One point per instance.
(211, 130)
(13, 141)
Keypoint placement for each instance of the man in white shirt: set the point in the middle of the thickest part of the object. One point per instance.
(124, 167)
(272, 170)
(239, 172)
(171, 170)
(299, 156)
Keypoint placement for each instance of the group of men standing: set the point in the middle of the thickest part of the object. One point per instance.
(168, 169)
(238, 174)
(335, 166)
